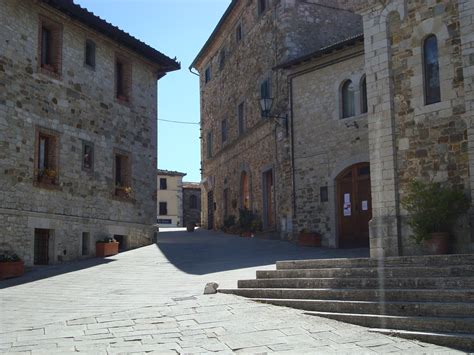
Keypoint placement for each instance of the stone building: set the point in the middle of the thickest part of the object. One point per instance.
(170, 198)
(246, 159)
(77, 131)
(387, 100)
(373, 112)
(191, 203)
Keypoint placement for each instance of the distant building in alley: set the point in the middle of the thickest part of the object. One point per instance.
(191, 203)
(170, 198)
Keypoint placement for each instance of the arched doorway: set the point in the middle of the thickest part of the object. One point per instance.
(354, 206)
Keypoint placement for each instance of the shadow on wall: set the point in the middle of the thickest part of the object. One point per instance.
(204, 252)
(43, 272)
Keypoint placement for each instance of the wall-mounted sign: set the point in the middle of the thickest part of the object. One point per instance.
(365, 205)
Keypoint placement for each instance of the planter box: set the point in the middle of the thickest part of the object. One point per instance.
(11, 269)
(309, 239)
(106, 249)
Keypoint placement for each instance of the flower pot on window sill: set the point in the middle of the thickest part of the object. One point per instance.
(309, 239)
(106, 249)
(9, 269)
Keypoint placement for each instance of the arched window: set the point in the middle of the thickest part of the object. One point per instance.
(348, 104)
(193, 202)
(431, 70)
(244, 190)
(363, 95)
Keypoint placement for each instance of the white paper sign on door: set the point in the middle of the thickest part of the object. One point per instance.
(365, 205)
(347, 198)
(347, 209)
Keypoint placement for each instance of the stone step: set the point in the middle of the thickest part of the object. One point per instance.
(361, 283)
(421, 324)
(431, 309)
(401, 261)
(409, 295)
(459, 341)
(367, 272)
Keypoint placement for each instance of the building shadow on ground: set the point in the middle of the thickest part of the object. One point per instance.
(37, 273)
(203, 252)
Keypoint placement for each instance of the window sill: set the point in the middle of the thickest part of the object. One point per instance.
(47, 185)
(50, 71)
(123, 100)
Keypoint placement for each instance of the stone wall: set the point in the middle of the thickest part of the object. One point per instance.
(78, 106)
(409, 139)
(286, 30)
(325, 144)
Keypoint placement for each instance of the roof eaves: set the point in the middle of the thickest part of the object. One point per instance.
(348, 42)
(74, 11)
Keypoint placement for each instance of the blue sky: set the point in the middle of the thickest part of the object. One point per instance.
(176, 28)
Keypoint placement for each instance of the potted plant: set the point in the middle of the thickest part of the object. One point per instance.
(432, 211)
(249, 223)
(48, 176)
(308, 238)
(190, 226)
(106, 247)
(123, 191)
(11, 265)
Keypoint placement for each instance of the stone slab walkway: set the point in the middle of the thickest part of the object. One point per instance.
(150, 300)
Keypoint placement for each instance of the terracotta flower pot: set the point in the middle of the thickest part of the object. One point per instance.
(437, 244)
(309, 239)
(106, 249)
(10, 269)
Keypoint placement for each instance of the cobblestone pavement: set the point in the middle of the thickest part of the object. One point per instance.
(150, 300)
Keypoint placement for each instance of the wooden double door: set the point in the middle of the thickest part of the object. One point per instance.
(354, 206)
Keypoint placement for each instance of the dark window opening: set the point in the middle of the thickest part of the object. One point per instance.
(348, 104)
(323, 194)
(265, 89)
(122, 80)
(123, 176)
(238, 33)
(90, 53)
(207, 75)
(431, 70)
(241, 118)
(87, 156)
(163, 183)
(363, 96)
(222, 59)
(47, 154)
(224, 130)
(50, 46)
(163, 208)
(262, 6)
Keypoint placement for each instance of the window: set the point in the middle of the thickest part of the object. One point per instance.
(86, 237)
(224, 131)
(244, 190)
(207, 74)
(90, 53)
(323, 194)
(209, 144)
(122, 80)
(241, 118)
(363, 95)
(50, 46)
(262, 6)
(193, 202)
(348, 104)
(123, 175)
(46, 158)
(222, 59)
(431, 70)
(238, 32)
(265, 89)
(87, 156)
(163, 210)
(163, 184)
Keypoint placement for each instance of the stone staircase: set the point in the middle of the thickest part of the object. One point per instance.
(429, 298)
